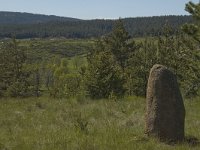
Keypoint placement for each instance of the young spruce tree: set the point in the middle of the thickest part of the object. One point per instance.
(107, 64)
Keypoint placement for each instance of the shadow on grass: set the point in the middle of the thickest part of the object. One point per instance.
(189, 140)
(192, 141)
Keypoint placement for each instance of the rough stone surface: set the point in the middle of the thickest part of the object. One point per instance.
(165, 112)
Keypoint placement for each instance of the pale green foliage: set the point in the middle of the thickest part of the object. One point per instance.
(59, 71)
(72, 85)
(65, 83)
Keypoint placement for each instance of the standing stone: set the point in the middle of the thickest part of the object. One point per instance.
(165, 112)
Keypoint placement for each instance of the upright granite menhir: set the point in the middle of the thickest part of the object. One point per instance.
(165, 112)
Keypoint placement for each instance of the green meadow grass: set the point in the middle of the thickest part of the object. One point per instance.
(83, 124)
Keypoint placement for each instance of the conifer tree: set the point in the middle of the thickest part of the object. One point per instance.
(120, 44)
(14, 77)
(104, 76)
(194, 28)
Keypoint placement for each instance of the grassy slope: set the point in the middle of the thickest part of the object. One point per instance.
(49, 124)
(46, 49)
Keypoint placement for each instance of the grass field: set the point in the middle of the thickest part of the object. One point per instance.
(39, 50)
(82, 124)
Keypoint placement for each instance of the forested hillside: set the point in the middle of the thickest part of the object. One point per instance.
(28, 18)
(25, 25)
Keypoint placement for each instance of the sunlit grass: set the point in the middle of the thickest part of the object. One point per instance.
(46, 124)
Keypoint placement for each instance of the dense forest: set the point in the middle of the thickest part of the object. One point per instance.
(25, 25)
(7, 17)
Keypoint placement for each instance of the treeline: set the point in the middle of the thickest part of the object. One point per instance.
(115, 67)
(7, 17)
(137, 27)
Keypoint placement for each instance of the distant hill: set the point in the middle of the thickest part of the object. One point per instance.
(26, 25)
(28, 18)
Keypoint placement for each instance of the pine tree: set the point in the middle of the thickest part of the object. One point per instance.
(194, 28)
(108, 63)
(104, 77)
(14, 77)
(120, 44)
